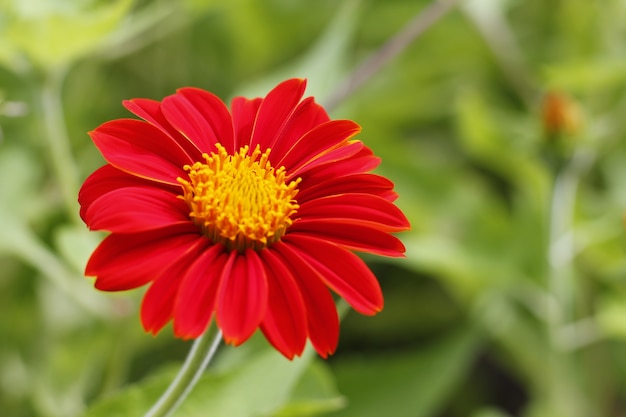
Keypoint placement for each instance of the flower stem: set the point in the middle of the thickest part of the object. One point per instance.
(394, 46)
(197, 360)
(561, 250)
(56, 133)
(566, 397)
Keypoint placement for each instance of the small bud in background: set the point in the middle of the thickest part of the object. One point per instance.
(561, 115)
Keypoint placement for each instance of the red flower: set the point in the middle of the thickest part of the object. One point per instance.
(245, 216)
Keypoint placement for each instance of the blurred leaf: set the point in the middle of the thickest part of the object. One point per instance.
(323, 64)
(18, 192)
(315, 393)
(134, 400)
(260, 385)
(493, 143)
(54, 33)
(76, 244)
(586, 76)
(199, 6)
(412, 384)
(490, 412)
(611, 315)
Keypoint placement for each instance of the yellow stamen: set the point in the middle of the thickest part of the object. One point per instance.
(240, 200)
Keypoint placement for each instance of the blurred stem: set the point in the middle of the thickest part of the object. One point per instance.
(561, 236)
(489, 19)
(58, 141)
(412, 31)
(197, 360)
(152, 22)
(565, 396)
(30, 249)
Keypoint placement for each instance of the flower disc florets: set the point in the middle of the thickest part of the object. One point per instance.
(240, 200)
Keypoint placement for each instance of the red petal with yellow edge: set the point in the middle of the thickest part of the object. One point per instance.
(200, 115)
(244, 114)
(157, 306)
(141, 149)
(317, 142)
(274, 112)
(136, 209)
(150, 111)
(123, 262)
(284, 324)
(321, 313)
(195, 302)
(305, 117)
(242, 296)
(355, 208)
(353, 183)
(358, 163)
(344, 272)
(109, 178)
(359, 237)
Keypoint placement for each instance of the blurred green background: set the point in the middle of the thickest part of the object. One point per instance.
(512, 299)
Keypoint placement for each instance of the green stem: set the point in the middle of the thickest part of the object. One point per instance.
(56, 133)
(30, 249)
(198, 359)
(561, 249)
(565, 396)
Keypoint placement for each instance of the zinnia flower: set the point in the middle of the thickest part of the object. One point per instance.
(247, 217)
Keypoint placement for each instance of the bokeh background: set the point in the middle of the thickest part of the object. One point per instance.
(503, 127)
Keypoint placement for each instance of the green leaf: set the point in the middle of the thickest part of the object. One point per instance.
(75, 244)
(412, 384)
(134, 400)
(315, 393)
(19, 195)
(490, 412)
(586, 76)
(323, 64)
(54, 33)
(610, 316)
(260, 384)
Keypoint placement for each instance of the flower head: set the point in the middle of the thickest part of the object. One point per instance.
(245, 216)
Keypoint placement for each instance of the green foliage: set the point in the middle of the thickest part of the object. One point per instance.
(261, 384)
(511, 301)
(55, 33)
(415, 383)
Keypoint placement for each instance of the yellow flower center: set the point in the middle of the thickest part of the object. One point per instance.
(240, 200)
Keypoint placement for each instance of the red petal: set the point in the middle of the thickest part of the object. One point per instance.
(322, 319)
(284, 323)
(109, 178)
(244, 114)
(305, 117)
(195, 302)
(136, 209)
(123, 262)
(200, 116)
(357, 208)
(359, 163)
(242, 297)
(317, 142)
(357, 237)
(341, 270)
(157, 307)
(150, 111)
(357, 183)
(275, 110)
(141, 149)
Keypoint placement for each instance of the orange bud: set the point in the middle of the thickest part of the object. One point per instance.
(561, 114)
